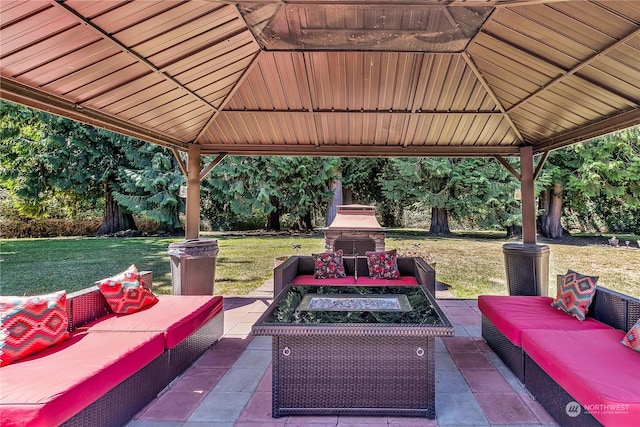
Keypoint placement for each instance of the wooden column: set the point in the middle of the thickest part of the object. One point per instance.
(528, 195)
(192, 226)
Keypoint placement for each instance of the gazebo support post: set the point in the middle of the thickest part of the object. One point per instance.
(192, 225)
(528, 196)
(527, 263)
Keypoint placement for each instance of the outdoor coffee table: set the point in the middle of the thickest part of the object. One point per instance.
(354, 350)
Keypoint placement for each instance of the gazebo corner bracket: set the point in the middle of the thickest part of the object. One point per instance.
(508, 167)
(181, 164)
(204, 172)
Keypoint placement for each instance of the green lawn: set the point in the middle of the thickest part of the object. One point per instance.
(470, 264)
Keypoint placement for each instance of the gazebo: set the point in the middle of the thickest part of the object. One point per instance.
(454, 78)
(500, 78)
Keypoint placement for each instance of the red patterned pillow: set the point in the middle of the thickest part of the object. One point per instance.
(575, 294)
(329, 265)
(383, 265)
(126, 292)
(31, 324)
(632, 339)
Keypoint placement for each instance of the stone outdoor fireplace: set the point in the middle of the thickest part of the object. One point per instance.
(355, 229)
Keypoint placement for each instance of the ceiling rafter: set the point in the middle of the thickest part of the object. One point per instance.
(17, 92)
(398, 88)
(619, 121)
(469, 60)
(361, 151)
(232, 92)
(575, 70)
(125, 49)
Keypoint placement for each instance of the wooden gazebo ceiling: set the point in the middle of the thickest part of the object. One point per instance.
(343, 77)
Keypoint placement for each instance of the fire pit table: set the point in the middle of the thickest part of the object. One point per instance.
(354, 350)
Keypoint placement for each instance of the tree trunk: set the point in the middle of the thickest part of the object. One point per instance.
(550, 224)
(303, 223)
(514, 231)
(347, 196)
(336, 200)
(273, 218)
(114, 219)
(439, 222)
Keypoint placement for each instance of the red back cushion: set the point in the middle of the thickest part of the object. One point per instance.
(126, 292)
(31, 324)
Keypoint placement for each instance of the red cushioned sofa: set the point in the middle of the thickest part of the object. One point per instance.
(112, 365)
(578, 370)
(300, 269)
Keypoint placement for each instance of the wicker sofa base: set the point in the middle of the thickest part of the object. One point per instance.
(123, 402)
(554, 399)
(188, 351)
(511, 354)
(118, 406)
(353, 375)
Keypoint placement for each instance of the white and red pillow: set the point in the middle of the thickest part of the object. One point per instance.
(575, 294)
(126, 292)
(31, 324)
(632, 338)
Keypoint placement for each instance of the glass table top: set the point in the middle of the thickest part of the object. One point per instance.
(353, 305)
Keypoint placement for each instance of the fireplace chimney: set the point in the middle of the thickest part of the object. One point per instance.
(355, 230)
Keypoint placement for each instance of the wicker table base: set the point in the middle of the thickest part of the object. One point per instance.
(353, 375)
(354, 369)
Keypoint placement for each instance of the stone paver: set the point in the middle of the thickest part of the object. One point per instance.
(230, 385)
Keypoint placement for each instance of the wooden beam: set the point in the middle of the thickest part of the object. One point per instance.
(181, 164)
(541, 163)
(204, 172)
(508, 167)
(19, 93)
(528, 196)
(192, 226)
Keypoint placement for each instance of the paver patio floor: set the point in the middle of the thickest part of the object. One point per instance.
(230, 385)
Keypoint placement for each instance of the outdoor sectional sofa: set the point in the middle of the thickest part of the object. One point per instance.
(112, 365)
(578, 370)
(300, 271)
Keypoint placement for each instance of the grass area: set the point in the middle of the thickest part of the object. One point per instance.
(470, 264)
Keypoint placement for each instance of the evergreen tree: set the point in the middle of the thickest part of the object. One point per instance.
(46, 156)
(243, 187)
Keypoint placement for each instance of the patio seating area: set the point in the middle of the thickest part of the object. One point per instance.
(230, 385)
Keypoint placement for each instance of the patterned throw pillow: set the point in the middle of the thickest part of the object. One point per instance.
(383, 265)
(575, 294)
(329, 265)
(31, 324)
(632, 339)
(126, 292)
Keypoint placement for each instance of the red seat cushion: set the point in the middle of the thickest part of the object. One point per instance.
(308, 279)
(177, 316)
(594, 368)
(402, 281)
(51, 386)
(513, 314)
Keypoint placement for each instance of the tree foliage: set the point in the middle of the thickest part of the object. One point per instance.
(268, 187)
(54, 167)
(48, 157)
(599, 182)
(476, 189)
